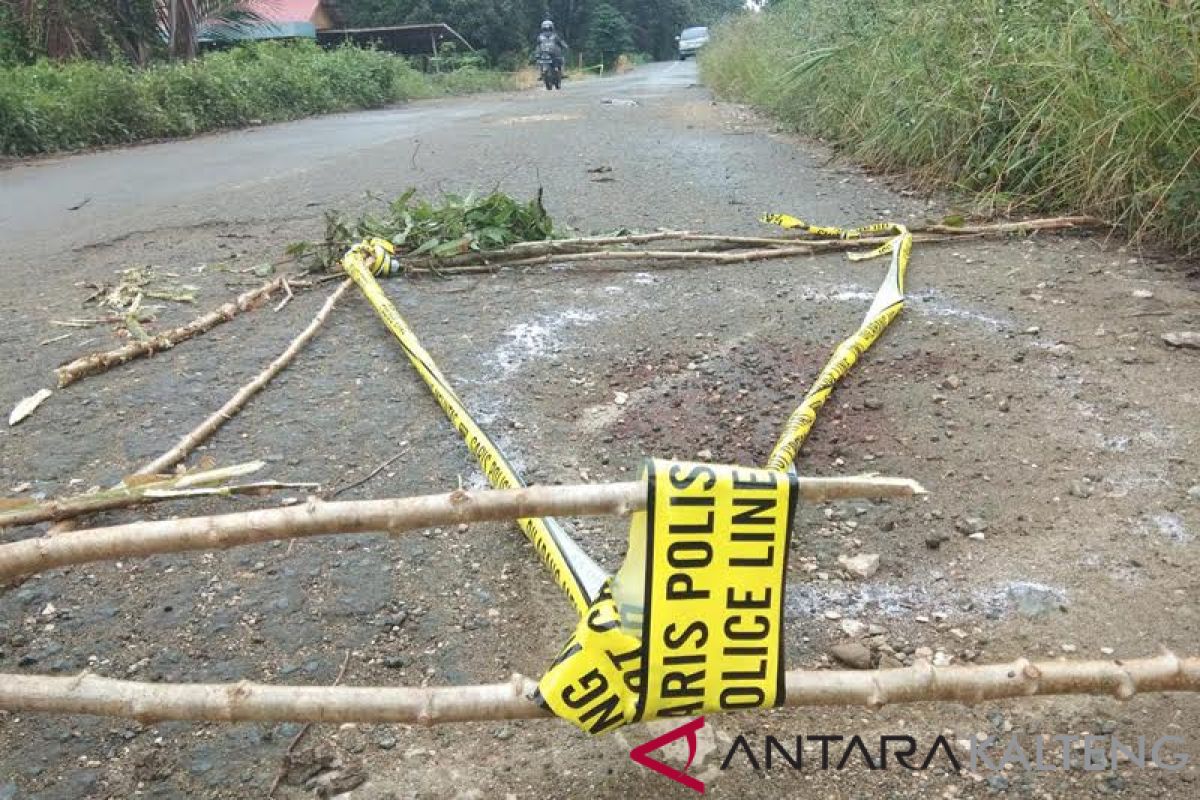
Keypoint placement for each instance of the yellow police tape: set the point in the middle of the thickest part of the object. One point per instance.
(693, 621)
(578, 575)
(887, 305)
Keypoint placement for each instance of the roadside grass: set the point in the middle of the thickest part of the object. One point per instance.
(472, 80)
(1051, 105)
(49, 107)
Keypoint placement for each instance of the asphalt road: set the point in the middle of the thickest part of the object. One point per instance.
(265, 173)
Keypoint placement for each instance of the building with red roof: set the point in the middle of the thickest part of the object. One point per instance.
(287, 19)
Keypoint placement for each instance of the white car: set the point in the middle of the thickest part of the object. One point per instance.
(690, 41)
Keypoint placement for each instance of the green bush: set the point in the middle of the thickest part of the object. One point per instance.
(1039, 104)
(46, 107)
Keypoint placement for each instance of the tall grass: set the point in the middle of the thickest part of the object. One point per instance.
(47, 107)
(1087, 105)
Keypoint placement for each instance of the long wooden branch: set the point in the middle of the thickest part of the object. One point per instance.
(393, 516)
(65, 515)
(99, 362)
(715, 256)
(232, 406)
(771, 249)
(590, 244)
(245, 701)
(150, 489)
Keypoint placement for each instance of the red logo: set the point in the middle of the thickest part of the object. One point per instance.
(640, 754)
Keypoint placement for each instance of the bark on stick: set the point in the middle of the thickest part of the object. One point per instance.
(393, 516)
(238, 702)
(101, 362)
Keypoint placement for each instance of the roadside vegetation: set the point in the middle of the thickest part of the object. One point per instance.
(49, 106)
(1092, 107)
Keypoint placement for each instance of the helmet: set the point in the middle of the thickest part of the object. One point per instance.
(547, 25)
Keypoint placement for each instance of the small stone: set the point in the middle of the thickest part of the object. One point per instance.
(1034, 601)
(934, 541)
(393, 662)
(1069, 648)
(1081, 489)
(1106, 651)
(978, 537)
(941, 659)
(863, 565)
(889, 661)
(620, 398)
(1143, 294)
(853, 628)
(952, 382)
(998, 783)
(1183, 339)
(1032, 330)
(1004, 405)
(832, 615)
(503, 733)
(853, 654)
(969, 525)
(385, 741)
(923, 652)
(1194, 493)
(872, 404)
(704, 455)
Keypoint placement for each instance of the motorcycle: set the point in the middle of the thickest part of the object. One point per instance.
(551, 70)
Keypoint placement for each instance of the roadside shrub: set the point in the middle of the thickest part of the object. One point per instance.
(1040, 104)
(46, 107)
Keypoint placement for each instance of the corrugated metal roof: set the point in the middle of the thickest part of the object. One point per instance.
(267, 30)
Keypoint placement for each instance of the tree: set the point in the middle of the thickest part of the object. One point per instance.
(183, 21)
(608, 33)
(134, 28)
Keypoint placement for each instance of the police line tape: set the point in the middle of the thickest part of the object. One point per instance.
(573, 570)
(887, 305)
(693, 621)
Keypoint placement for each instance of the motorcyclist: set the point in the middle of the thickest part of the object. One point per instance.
(548, 41)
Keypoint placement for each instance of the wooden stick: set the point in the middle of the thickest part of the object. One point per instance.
(135, 492)
(722, 256)
(287, 296)
(517, 254)
(226, 412)
(246, 701)
(99, 362)
(739, 257)
(355, 484)
(365, 516)
(524, 250)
